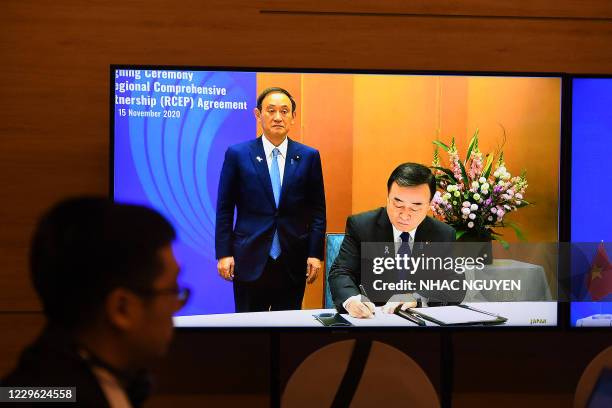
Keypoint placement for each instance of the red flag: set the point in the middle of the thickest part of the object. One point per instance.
(599, 279)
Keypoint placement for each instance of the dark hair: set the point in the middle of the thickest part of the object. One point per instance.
(412, 174)
(275, 89)
(83, 248)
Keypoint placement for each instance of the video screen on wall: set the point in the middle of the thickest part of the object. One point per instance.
(314, 199)
(591, 226)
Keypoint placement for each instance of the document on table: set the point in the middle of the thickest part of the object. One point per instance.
(458, 315)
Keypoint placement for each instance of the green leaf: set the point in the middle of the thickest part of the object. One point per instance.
(473, 142)
(459, 234)
(517, 230)
(499, 239)
(500, 160)
(464, 175)
(442, 145)
(488, 165)
(447, 172)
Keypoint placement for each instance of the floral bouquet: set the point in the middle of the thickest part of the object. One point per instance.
(476, 198)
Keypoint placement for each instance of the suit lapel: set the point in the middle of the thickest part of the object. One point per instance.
(292, 161)
(258, 156)
(421, 238)
(384, 231)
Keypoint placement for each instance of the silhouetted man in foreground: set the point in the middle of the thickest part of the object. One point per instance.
(107, 280)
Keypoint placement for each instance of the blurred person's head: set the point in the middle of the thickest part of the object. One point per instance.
(106, 273)
(410, 189)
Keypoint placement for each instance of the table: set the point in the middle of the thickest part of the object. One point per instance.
(517, 313)
(532, 278)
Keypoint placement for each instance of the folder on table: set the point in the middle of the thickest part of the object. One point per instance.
(459, 315)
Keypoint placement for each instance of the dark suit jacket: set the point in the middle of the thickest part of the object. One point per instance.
(300, 217)
(53, 360)
(375, 226)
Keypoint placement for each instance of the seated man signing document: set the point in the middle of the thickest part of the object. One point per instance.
(404, 222)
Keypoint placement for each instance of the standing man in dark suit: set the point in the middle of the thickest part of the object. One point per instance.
(276, 187)
(403, 221)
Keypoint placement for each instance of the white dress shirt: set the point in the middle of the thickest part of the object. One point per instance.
(397, 240)
(114, 393)
(268, 148)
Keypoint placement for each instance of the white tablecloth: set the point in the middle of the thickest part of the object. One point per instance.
(533, 283)
(517, 313)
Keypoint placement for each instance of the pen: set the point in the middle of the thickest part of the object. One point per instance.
(363, 293)
(417, 320)
(410, 316)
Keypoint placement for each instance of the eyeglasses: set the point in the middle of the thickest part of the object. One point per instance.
(182, 293)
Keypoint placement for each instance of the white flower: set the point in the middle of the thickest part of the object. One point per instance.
(518, 201)
(506, 206)
(470, 224)
(466, 204)
(446, 196)
(475, 185)
(472, 216)
(485, 186)
(476, 196)
(494, 210)
(482, 180)
(502, 169)
(474, 207)
(496, 174)
(485, 192)
(457, 193)
(465, 210)
(505, 176)
(454, 203)
(519, 196)
(490, 218)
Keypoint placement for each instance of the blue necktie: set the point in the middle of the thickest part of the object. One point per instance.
(275, 249)
(404, 249)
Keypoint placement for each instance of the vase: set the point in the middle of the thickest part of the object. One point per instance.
(480, 246)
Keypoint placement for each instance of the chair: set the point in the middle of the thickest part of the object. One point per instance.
(389, 378)
(332, 247)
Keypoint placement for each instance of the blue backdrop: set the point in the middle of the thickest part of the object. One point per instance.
(591, 175)
(173, 164)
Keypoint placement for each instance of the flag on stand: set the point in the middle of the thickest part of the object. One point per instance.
(599, 279)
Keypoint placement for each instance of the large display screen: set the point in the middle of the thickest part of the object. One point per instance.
(591, 222)
(173, 128)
